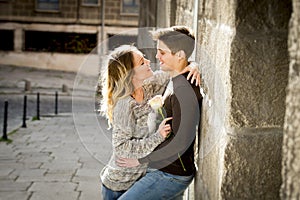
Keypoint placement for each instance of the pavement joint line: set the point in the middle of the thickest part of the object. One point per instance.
(18, 147)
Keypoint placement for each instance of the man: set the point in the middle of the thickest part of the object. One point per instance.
(171, 165)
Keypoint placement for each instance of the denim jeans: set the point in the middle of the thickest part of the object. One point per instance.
(158, 185)
(108, 194)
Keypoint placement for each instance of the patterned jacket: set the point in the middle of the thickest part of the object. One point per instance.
(131, 137)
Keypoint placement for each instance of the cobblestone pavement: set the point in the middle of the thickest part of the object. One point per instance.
(50, 159)
(47, 160)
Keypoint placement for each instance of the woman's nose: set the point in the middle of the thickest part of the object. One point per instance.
(147, 61)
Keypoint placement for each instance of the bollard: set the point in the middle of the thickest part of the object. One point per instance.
(38, 106)
(56, 102)
(24, 112)
(65, 88)
(27, 86)
(4, 137)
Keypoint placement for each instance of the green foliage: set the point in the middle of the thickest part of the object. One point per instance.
(34, 118)
(8, 141)
(72, 44)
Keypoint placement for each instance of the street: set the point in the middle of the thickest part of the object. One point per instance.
(47, 107)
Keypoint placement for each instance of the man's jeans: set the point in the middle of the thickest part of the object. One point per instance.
(158, 185)
(108, 194)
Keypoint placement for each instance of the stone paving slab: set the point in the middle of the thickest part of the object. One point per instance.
(10, 185)
(48, 161)
(49, 195)
(12, 78)
(16, 195)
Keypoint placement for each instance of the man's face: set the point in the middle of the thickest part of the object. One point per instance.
(166, 59)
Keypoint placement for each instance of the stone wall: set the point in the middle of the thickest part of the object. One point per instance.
(258, 76)
(242, 49)
(185, 11)
(215, 34)
(290, 188)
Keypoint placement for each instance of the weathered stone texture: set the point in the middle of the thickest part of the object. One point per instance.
(185, 12)
(242, 51)
(258, 76)
(290, 188)
(259, 60)
(252, 164)
(215, 33)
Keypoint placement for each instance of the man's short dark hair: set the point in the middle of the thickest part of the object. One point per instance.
(176, 38)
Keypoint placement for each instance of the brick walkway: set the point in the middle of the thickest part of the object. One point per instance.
(47, 161)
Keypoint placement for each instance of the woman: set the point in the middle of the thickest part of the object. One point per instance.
(127, 85)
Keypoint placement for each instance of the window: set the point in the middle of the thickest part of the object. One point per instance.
(130, 7)
(47, 5)
(7, 40)
(62, 42)
(90, 2)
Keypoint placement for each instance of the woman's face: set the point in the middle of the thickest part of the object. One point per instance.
(141, 66)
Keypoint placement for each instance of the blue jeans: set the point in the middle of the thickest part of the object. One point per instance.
(158, 185)
(108, 194)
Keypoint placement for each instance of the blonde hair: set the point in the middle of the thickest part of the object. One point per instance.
(116, 79)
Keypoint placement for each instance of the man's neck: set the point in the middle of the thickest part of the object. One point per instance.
(178, 69)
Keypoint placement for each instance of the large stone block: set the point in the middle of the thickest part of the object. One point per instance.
(252, 164)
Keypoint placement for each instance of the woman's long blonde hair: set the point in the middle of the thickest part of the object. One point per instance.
(116, 79)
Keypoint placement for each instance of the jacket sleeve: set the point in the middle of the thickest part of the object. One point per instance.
(124, 144)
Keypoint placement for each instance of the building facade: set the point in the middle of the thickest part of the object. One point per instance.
(59, 34)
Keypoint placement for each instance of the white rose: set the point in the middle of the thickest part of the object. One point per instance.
(156, 102)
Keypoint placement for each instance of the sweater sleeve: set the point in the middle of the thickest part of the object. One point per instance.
(124, 143)
(157, 82)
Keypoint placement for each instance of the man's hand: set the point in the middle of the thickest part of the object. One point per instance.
(127, 162)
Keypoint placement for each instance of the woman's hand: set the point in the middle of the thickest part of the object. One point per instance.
(165, 129)
(127, 162)
(194, 72)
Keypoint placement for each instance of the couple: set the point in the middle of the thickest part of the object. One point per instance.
(149, 162)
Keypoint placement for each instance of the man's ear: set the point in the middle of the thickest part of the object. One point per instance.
(181, 54)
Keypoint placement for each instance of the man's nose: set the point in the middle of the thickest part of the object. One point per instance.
(157, 55)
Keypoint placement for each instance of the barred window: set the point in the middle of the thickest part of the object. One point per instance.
(7, 40)
(130, 7)
(61, 42)
(90, 2)
(47, 5)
